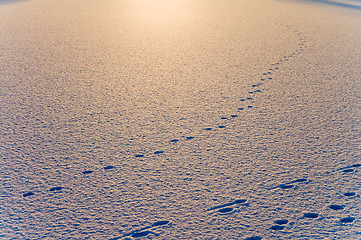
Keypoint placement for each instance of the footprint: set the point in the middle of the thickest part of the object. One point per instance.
(224, 118)
(159, 223)
(87, 172)
(174, 140)
(349, 168)
(238, 201)
(189, 138)
(55, 189)
(311, 215)
(249, 98)
(141, 234)
(144, 231)
(139, 155)
(290, 184)
(225, 210)
(258, 90)
(240, 108)
(208, 129)
(299, 180)
(221, 126)
(281, 221)
(250, 106)
(28, 194)
(253, 238)
(242, 100)
(347, 219)
(349, 194)
(336, 207)
(109, 167)
(158, 152)
(115, 238)
(277, 227)
(234, 116)
(286, 186)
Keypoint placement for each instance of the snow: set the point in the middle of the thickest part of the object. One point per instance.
(180, 119)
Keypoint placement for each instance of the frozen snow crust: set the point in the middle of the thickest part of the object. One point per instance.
(106, 143)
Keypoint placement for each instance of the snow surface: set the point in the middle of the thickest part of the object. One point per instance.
(180, 119)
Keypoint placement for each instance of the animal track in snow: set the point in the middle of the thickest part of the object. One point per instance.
(228, 207)
(349, 194)
(55, 189)
(225, 210)
(347, 219)
(142, 232)
(28, 194)
(109, 167)
(253, 238)
(281, 221)
(336, 207)
(290, 184)
(311, 215)
(238, 201)
(277, 227)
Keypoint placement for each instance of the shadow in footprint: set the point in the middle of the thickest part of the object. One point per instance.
(336, 207)
(290, 184)
(55, 189)
(311, 215)
(159, 223)
(87, 172)
(28, 194)
(299, 180)
(144, 231)
(281, 221)
(158, 152)
(238, 201)
(349, 194)
(277, 227)
(141, 234)
(109, 167)
(253, 238)
(347, 219)
(225, 210)
(285, 186)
